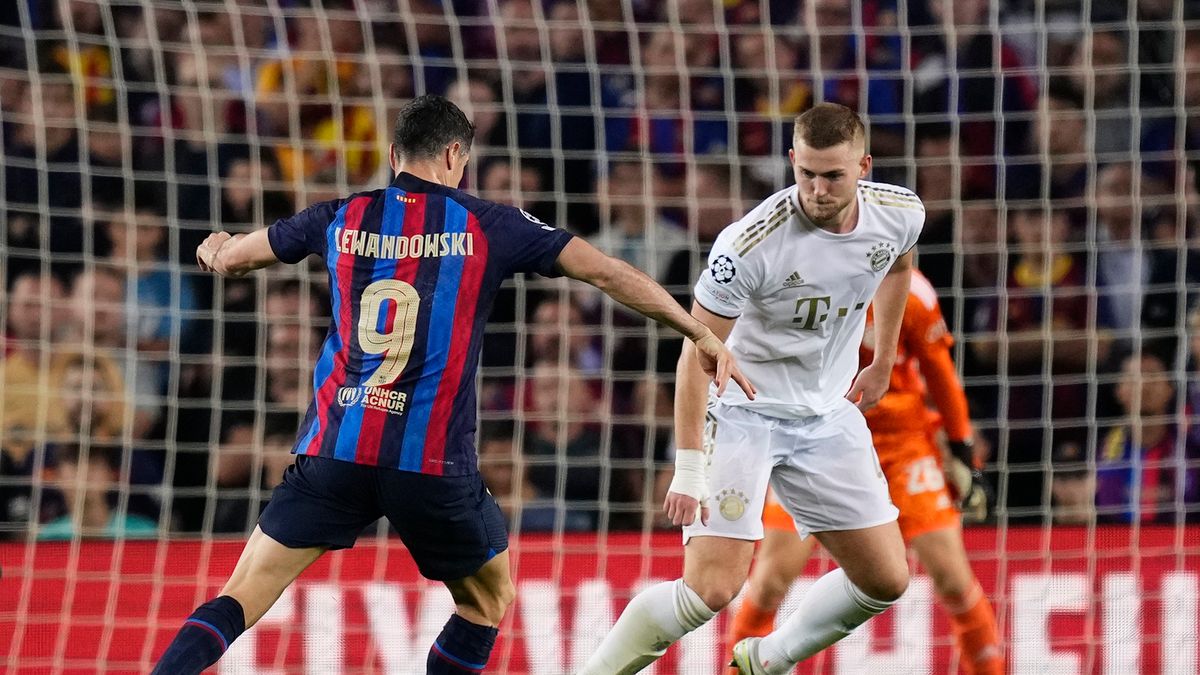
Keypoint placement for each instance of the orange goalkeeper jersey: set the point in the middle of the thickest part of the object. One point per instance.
(922, 360)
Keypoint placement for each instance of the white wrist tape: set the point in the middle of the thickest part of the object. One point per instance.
(691, 474)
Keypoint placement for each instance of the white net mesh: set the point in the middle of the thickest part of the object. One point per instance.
(148, 409)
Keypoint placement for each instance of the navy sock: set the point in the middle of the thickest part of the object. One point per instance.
(204, 637)
(463, 647)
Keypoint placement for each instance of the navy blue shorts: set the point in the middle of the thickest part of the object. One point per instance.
(450, 524)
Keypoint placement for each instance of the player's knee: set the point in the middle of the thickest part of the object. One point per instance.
(718, 593)
(952, 584)
(889, 584)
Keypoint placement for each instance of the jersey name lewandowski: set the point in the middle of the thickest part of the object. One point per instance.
(413, 271)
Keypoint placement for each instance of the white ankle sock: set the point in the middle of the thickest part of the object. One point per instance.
(830, 610)
(652, 621)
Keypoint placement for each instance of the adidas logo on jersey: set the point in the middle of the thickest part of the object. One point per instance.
(794, 279)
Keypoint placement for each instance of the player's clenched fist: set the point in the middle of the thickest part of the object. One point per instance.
(206, 252)
(689, 488)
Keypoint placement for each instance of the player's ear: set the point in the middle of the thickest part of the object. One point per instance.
(392, 160)
(864, 166)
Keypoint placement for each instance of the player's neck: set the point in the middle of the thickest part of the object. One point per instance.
(426, 171)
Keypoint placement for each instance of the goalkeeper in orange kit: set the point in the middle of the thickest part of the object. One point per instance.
(928, 492)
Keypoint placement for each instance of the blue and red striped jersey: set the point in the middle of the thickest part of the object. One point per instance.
(413, 271)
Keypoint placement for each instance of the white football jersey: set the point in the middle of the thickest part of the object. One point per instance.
(800, 294)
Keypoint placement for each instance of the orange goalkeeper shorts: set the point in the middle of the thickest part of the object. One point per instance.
(913, 467)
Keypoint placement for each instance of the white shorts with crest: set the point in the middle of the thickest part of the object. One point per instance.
(823, 469)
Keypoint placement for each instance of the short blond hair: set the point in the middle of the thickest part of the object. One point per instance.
(828, 124)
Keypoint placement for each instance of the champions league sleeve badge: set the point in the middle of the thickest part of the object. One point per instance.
(722, 269)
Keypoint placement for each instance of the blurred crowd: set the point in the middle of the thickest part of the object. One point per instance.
(1055, 153)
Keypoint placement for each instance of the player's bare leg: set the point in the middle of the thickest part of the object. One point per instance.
(942, 554)
(873, 574)
(714, 570)
(484, 597)
(781, 558)
(480, 602)
(265, 568)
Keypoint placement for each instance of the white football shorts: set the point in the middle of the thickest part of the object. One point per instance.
(823, 470)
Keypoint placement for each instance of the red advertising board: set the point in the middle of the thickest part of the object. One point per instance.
(1108, 600)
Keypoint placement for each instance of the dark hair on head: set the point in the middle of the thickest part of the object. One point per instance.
(150, 197)
(496, 430)
(828, 124)
(1160, 349)
(933, 131)
(1063, 90)
(427, 124)
(103, 453)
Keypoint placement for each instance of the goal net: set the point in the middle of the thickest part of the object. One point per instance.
(147, 409)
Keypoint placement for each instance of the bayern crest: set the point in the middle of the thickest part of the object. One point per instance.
(881, 256)
(731, 504)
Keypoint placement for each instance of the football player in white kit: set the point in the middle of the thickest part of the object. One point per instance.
(787, 287)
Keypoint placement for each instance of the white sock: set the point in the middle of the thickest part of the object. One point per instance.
(828, 612)
(652, 621)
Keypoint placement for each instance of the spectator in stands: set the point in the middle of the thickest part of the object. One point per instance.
(714, 201)
(1145, 468)
(1100, 70)
(91, 391)
(477, 99)
(1136, 272)
(837, 47)
(162, 297)
(204, 114)
(770, 92)
(564, 453)
(656, 118)
(44, 129)
(257, 434)
(1061, 134)
(635, 229)
(35, 311)
(558, 317)
(525, 508)
(520, 50)
(107, 140)
(85, 51)
(246, 187)
(1165, 151)
(396, 84)
(936, 155)
(498, 183)
(574, 93)
(1191, 388)
(983, 82)
(1072, 487)
(28, 421)
(87, 475)
(99, 325)
(1047, 295)
(338, 127)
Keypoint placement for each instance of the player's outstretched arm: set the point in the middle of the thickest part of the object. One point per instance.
(890, 299)
(631, 287)
(235, 255)
(689, 487)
